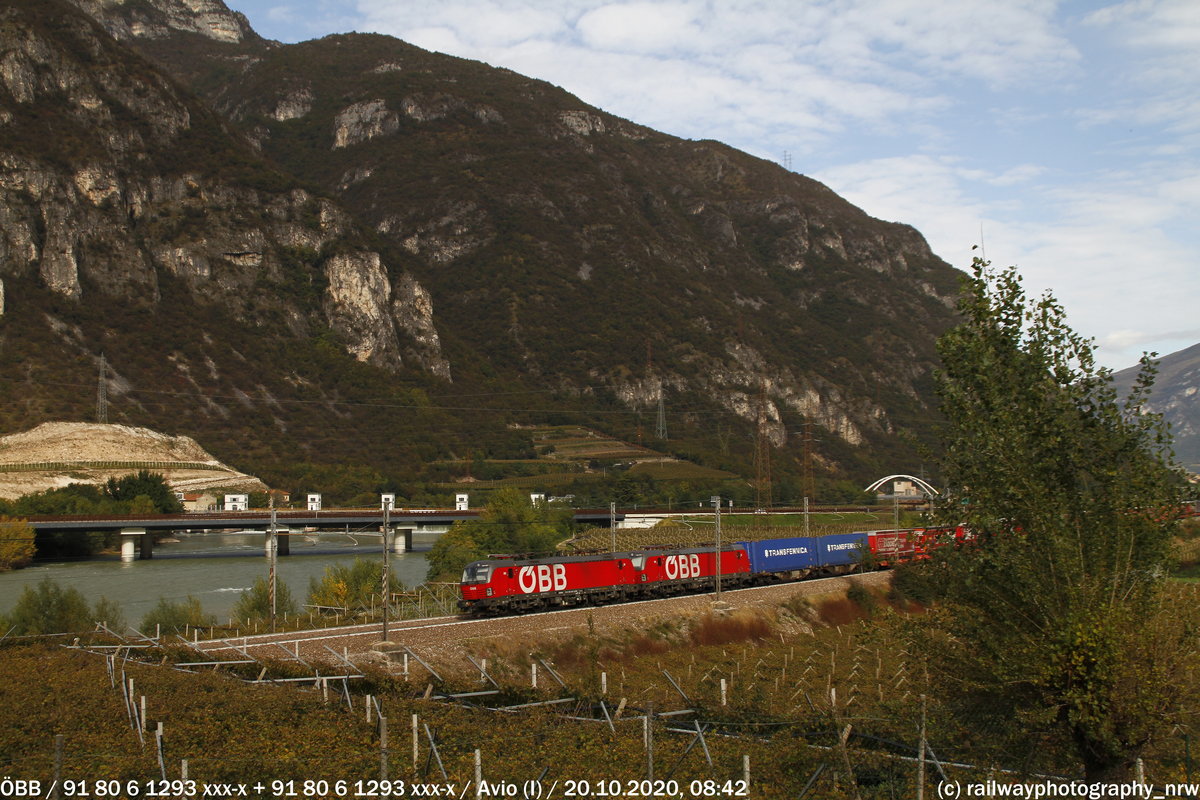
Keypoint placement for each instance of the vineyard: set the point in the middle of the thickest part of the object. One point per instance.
(821, 697)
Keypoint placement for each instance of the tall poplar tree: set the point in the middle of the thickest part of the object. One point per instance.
(1055, 616)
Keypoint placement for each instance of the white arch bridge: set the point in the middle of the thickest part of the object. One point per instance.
(925, 486)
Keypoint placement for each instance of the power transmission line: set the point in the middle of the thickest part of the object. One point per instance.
(102, 394)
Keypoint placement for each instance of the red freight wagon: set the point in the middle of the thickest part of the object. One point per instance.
(521, 584)
(889, 548)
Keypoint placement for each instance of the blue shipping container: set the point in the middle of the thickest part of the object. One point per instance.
(781, 555)
(841, 548)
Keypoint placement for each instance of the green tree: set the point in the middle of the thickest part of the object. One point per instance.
(151, 484)
(110, 613)
(16, 543)
(175, 616)
(255, 602)
(509, 524)
(142, 504)
(452, 551)
(49, 608)
(1055, 617)
(354, 587)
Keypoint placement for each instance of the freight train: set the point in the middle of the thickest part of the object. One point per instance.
(506, 584)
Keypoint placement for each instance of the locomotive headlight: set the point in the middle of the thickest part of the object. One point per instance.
(489, 591)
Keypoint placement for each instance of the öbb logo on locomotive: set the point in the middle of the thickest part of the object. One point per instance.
(542, 578)
(686, 566)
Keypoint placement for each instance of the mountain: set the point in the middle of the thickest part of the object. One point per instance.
(1175, 395)
(354, 251)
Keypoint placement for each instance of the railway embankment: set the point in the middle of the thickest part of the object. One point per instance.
(793, 607)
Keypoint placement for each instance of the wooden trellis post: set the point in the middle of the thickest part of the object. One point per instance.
(383, 748)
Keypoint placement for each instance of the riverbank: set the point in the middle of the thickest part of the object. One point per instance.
(213, 568)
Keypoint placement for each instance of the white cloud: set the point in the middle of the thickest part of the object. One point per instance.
(1104, 248)
(710, 69)
(1017, 175)
(643, 28)
(999, 43)
(1152, 24)
(1158, 44)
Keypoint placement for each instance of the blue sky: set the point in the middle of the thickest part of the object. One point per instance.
(1065, 134)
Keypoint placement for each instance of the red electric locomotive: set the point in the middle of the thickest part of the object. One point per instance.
(520, 584)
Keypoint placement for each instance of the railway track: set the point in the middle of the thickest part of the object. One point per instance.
(441, 637)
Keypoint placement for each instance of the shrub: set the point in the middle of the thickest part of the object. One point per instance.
(917, 583)
(176, 616)
(110, 613)
(255, 602)
(357, 586)
(862, 597)
(16, 543)
(49, 608)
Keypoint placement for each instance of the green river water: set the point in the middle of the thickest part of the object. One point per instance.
(213, 567)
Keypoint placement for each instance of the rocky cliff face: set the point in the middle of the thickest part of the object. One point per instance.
(751, 282)
(443, 220)
(119, 192)
(164, 18)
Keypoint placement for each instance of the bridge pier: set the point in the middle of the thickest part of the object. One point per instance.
(133, 540)
(402, 540)
(281, 544)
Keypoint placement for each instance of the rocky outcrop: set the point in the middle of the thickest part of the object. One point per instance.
(295, 105)
(359, 298)
(370, 119)
(133, 208)
(462, 229)
(412, 309)
(362, 122)
(157, 19)
(82, 452)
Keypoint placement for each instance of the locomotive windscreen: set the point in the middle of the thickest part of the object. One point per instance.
(476, 573)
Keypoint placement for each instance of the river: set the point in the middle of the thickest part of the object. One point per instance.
(215, 568)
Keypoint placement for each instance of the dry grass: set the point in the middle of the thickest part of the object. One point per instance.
(743, 626)
(840, 611)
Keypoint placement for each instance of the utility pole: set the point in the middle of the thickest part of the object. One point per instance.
(102, 393)
(387, 526)
(809, 485)
(716, 502)
(660, 425)
(273, 548)
(660, 421)
(612, 526)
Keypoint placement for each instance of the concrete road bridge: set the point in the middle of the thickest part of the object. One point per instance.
(137, 531)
